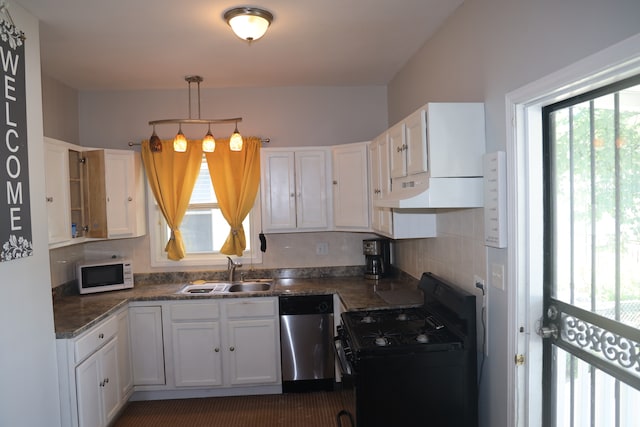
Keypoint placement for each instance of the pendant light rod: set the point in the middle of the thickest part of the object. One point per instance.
(195, 121)
(195, 79)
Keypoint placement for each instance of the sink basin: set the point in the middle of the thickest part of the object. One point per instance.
(250, 287)
(207, 288)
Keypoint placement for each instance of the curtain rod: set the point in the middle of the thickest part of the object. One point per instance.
(263, 140)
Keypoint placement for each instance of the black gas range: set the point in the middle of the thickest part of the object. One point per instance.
(415, 366)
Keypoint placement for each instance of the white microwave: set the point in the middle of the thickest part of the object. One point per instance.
(102, 276)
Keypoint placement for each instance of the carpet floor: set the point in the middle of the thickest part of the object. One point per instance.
(316, 409)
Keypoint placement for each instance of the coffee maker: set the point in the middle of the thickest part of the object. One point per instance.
(377, 258)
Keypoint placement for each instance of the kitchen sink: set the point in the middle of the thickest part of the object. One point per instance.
(250, 287)
(201, 287)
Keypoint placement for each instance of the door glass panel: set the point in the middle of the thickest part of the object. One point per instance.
(592, 247)
(576, 383)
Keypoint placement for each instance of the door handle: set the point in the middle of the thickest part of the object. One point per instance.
(550, 331)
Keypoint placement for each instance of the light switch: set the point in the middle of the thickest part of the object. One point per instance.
(497, 276)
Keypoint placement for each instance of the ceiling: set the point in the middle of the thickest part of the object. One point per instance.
(154, 44)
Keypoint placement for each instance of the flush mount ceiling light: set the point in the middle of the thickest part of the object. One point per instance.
(208, 142)
(248, 23)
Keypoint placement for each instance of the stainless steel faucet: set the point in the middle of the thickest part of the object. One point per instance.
(231, 268)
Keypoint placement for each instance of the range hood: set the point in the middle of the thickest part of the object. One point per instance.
(431, 193)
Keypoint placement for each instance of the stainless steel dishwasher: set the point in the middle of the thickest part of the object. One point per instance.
(306, 340)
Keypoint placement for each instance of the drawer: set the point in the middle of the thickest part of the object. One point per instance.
(195, 311)
(252, 307)
(95, 337)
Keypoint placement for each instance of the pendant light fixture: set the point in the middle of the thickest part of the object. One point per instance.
(209, 142)
(235, 142)
(248, 23)
(180, 141)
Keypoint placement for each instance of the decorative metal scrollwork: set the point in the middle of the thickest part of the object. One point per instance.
(601, 343)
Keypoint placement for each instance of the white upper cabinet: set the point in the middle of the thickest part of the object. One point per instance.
(125, 193)
(380, 183)
(436, 158)
(57, 190)
(408, 141)
(114, 194)
(350, 187)
(295, 189)
(100, 191)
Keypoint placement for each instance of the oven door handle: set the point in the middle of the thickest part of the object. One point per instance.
(345, 367)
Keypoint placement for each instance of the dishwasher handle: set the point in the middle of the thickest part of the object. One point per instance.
(305, 304)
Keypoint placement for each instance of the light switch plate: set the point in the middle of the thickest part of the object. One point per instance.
(497, 276)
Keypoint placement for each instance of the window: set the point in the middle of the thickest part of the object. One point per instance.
(204, 229)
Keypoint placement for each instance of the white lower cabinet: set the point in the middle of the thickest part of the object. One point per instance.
(196, 344)
(252, 339)
(221, 347)
(97, 387)
(91, 368)
(147, 352)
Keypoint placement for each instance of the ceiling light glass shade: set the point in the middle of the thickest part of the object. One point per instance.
(154, 143)
(208, 143)
(248, 23)
(180, 142)
(235, 142)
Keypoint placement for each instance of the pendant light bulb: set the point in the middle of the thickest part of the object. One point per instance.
(180, 142)
(208, 142)
(235, 142)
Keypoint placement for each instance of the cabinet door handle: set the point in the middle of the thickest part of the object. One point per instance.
(101, 336)
(232, 348)
(50, 199)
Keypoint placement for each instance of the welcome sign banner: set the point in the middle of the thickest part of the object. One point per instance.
(15, 206)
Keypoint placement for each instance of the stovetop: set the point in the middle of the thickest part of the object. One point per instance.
(414, 329)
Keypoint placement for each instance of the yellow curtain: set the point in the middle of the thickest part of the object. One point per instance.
(172, 177)
(236, 177)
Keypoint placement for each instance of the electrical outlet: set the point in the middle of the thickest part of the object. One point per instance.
(478, 282)
(322, 248)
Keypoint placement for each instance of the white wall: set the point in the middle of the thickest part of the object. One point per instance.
(485, 50)
(28, 372)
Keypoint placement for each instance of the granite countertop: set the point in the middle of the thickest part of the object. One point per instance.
(74, 314)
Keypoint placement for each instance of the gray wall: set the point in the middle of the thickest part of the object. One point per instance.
(60, 110)
(28, 372)
(289, 116)
(485, 50)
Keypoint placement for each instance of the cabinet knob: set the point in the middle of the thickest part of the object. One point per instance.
(232, 348)
(101, 336)
(335, 182)
(399, 149)
(217, 350)
(50, 199)
(130, 199)
(292, 195)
